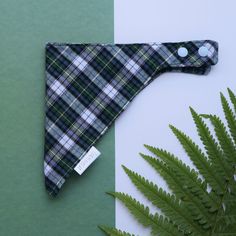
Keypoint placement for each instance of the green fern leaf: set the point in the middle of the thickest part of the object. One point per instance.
(202, 201)
(113, 231)
(203, 165)
(212, 148)
(232, 98)
(169, 204)
(229, 116)
(185, 191)
(225, 140)
(142, 214)
(166, 227)
(190, 176)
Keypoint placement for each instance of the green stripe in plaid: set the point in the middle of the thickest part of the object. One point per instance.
(89, 85)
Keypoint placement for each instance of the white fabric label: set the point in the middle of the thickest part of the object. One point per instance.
(87, 160)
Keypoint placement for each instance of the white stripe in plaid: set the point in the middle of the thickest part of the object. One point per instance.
(89, 85)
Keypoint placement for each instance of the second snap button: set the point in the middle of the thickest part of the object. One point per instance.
(203, 51)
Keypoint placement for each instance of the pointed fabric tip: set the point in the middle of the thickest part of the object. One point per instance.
(89, 85)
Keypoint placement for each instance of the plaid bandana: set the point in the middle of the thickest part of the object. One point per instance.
(89, 85)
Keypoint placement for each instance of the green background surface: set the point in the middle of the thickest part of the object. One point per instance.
(25, 207)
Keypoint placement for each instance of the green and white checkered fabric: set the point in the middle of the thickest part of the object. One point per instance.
(89, 85)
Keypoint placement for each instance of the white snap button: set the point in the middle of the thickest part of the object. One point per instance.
(182, 52)
(203, 51)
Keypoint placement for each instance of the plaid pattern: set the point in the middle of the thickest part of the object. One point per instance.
(89, 85)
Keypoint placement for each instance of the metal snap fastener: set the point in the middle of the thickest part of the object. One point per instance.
(182, 52)
(203, 51)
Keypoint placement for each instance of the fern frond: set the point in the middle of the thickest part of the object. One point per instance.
(187, 192)
(202, 164)
(137, 209)
(225, 140)
(188, 176)
(228, 219)
(232, 98)
(212, 148)
(227, 213)
(202, 201)
(166, 227)
(169, 204)
(110, 231)
(229, 116)
(157, 224)
(173, 162)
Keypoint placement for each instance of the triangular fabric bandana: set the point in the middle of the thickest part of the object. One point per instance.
(89, 85)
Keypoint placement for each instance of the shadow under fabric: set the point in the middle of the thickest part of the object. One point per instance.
(89, 85)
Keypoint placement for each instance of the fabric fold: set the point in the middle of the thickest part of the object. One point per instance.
(89, 85)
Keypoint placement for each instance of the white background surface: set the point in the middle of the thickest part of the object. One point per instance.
(166, 100)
